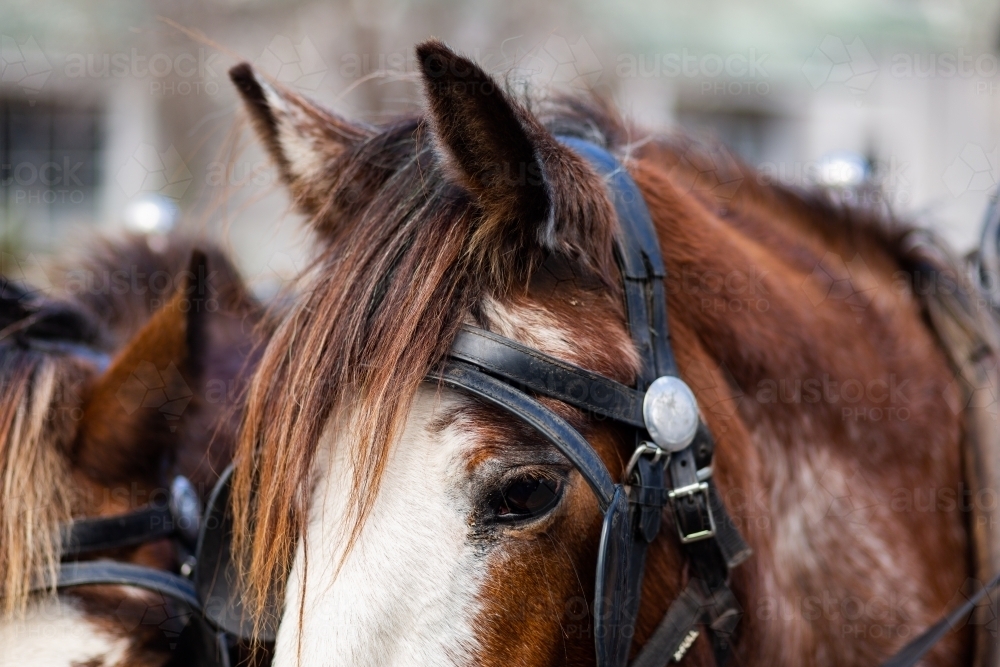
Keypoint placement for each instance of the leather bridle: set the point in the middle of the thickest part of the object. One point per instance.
(671, 465)
(672, 459)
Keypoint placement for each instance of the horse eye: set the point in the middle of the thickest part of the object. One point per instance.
(525, 498)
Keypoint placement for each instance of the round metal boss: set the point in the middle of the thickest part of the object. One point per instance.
(671, 413)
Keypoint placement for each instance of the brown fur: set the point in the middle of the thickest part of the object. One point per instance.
(428, 242)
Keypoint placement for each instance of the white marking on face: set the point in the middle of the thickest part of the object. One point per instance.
(56, 633)
(407, 592)
(537, 328)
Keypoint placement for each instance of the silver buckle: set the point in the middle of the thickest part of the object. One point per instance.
(690, 490)
(643, 448)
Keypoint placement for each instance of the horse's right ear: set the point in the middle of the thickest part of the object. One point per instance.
(302, 137)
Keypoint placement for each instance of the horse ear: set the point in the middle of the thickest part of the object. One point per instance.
(302, 137)
(534, 193)
(131, 419)
(490, 144)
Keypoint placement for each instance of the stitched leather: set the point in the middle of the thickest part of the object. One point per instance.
(638, 250)
(613, 620)
(549, 376)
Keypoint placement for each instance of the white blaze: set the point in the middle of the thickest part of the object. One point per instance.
(407, 592)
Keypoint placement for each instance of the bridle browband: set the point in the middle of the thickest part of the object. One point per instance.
(671, 463)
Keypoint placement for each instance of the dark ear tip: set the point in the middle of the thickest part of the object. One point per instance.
(430, 47)
(432, 56)
(245, 80)
(198, 260)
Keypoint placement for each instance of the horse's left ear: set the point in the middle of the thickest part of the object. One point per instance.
(533, 192)
(132, 416)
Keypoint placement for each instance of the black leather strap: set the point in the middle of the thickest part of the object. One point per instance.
(697, 605)
(549, 376)
(106, 572)
(550, 425)
(200, 644)
(641, 263)
(698, 510)
(84, 536)
(911, 654)
(732, 546)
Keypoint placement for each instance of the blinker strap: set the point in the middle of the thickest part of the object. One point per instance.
(84, 536)
(549, 376)
(549, 425)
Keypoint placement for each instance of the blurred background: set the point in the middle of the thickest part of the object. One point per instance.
(119, 114)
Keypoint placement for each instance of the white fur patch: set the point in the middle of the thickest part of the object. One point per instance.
(55, 633)
(407, 592)
(299, 147)
(537, 328)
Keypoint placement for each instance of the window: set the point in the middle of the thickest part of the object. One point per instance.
(50, 157)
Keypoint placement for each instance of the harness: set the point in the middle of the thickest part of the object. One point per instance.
(671, 466)
(205, 590)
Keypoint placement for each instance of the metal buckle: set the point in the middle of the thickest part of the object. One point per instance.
(643, 448)
(691, 490)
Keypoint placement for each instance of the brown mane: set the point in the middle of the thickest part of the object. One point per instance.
(407, 257)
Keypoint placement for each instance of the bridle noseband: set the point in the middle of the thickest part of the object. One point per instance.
(671, 463)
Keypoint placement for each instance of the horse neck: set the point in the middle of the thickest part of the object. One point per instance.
(822, 386)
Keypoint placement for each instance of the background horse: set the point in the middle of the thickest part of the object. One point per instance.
(402, 523)
(128, 374)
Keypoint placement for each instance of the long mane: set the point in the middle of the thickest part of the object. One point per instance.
(36, 426)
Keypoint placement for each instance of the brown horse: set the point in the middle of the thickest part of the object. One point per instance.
(126, 376)
(407, 524)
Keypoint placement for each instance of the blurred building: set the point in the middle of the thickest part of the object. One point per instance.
(118, 113)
